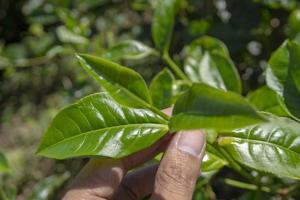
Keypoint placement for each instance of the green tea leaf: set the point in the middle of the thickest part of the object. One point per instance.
(46, 188)
(129, 49)
(4, 167)
(179, 87)
(277, 70)
(273, 146)
(206, 107)
(123, 84)
(161, 89)
(207, 60)
(99, 126)
(163, 23)
(66, 35)
(207, 44)
(294, 24)
(265, 99)
(212, 162)
(291, 93)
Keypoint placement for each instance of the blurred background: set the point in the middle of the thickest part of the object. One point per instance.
(39, 75)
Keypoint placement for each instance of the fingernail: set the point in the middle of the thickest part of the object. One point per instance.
(191, 142)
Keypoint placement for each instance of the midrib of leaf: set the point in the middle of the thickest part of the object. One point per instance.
(146, 125)
(199, 114)
(144, 103)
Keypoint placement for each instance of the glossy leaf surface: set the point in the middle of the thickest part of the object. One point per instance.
(291, 94)
(129, 49)
(204, 106)
(4, 167)
(98, 126)
(163, 23)
(207, 60)
(161, 89)
(212, 162)
(265, 99)
(123, 84)
(277, 70)
(273, 146)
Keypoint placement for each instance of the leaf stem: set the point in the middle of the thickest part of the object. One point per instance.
(175, 67)
(236, 166)
(246, 186)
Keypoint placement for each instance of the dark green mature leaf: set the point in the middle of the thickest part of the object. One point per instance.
(273, 146)
(277, 70)
(123, 84)
(4, 167)
(129, 49)
(265, 99)
(161, 89)
(45, 189)
(99, 126)
(207, 107)
(291, 91)
(207, 60)
(163, 22)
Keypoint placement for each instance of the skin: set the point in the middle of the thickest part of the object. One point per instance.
(174, 178)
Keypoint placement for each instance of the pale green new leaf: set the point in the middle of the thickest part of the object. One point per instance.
(206, 107)
(273, 146)
(161, 89)
(207, 60)
(130, 50)
(67, 36)
(122, 83)
(163, 23)
(4, 167)
(99, 126)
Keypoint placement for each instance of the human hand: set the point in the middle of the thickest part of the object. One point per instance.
(173, 178)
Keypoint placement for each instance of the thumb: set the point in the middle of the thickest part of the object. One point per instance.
(179, 168)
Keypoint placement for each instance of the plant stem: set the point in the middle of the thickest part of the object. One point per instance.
(175, 68)
(236, 166)
(244, 185)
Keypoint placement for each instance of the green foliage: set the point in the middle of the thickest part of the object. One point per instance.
(99, 126)
(4, 167)
(206, 107)
(123, 84)
(271, 147)
(265, 99)
(207, 60)
(163, 23)
(161, 89)
(206, 84)
(291, 91)
(130, 50)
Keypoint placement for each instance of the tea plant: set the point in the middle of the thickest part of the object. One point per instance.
(260, 131)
